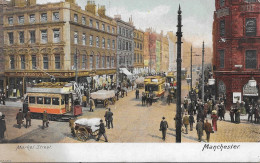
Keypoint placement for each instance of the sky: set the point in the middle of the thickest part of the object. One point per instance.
(162, 15)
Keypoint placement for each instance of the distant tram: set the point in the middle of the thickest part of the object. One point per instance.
(58, 99)
(155, 85)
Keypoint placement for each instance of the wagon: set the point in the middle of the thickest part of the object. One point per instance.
(86, 128)
(104, 97)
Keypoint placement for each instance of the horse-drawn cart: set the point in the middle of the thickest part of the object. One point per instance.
(104, 97)
(86, 128)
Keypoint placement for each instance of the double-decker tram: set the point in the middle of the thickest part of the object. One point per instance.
(59, 100)
(155, 85)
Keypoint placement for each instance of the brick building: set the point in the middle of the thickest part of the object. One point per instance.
(138, 51)
(236, 49)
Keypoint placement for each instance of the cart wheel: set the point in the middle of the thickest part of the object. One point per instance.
(82, 134)
(105, 103)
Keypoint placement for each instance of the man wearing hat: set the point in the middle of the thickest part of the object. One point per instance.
(199, 128)
(45, 119)
(208, 129)
(110, 118)
(102, 131)
(28, 118)
(186, 122)
(163, 127)
(19, 118)
(2, 126)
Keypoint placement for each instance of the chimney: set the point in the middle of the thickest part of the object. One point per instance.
(91, 7)
(70, 1)
(131, 21)
(31, 2)
(102, 11)
(117, 17)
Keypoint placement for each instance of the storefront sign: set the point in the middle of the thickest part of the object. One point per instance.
(237, 97)
(250, 90)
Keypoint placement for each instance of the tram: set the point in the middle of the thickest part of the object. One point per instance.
(155, 85)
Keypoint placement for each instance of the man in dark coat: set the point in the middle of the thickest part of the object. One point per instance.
(137, 93)
(106, 117)
(101, 131)
(28, 119)
(186, 122)
(2, 127)
(163, 127)
(250, 113)
(199, 128)
(143, 99)
(191, 121)
(110, 118)
(45, 120)
(232, 114)
(19, 118)
(3, 98)
(208, 129)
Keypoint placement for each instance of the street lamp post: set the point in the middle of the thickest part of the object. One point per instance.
(179, 60)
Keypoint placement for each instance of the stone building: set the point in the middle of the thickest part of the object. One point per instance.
(138, 51)
(57, 41)
(165, 53)
(236, 49)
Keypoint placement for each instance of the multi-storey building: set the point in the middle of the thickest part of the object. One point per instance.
(138, 51)
(3, 4)
(236, 49)
(57, 40)
(165, 54)
(146, 52)
(150, 45)
(172, 51)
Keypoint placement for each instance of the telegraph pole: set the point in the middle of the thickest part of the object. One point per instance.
(191, 67)
(179, 60)
(203, 51)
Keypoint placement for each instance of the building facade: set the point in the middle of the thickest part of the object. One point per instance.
(236, 49)
(172, 51)
(56, 41)
(138, 51)
(165, 54)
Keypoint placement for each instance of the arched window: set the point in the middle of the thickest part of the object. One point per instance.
(91, 57)
(97, 61)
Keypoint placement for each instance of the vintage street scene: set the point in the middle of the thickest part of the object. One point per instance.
(93, 71)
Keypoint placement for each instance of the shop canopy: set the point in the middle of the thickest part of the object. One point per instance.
(125, 71)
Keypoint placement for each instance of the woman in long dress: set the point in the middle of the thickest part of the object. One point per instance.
(214, 118)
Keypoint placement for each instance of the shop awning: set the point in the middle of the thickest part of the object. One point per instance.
(125, 71)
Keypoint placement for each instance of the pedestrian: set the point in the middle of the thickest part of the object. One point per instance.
(2, 127)
(3, 98)
(72, 126)
(191, 121)
(163, 127)
(137, 93)
(237, 116)
(185, 102)
(214, 118)
(208, 129)
(206, 110)
(199, 128)
(0, 98)
(231, 113)
(186, 122)
(92, 104)
(101, 131)
(147, 99)
(256, 114)
(250, 113)
(151, 99)
(169, 99)
(84, 101)
(28, 119)
(45, 119)
(106, 117)
(110, 118)
(19, 118)
(143, 99)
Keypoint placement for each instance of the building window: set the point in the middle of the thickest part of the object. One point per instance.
(103, 27)
(10, 20)
(56, 16)
(112, 62)
(45, 62)
(222, 28)
(84, 39)
(84, 20)
(75, 37)
(141, 59)
(56, 35)
(32, 37)
(108, 43)
(90, 22)
(11, 38)
(250, 27)
(91, 61)
(120, 31)
(119, 45)
(138, 45)
(12, 65)
(130, 46)
(222, 3)
(103, 42)
(108, 28)
(44, 17)
(113, 44)
(141, 46)
(91, 40)
(21, 37)
(21, 19)
(251, 59)
(75, 18)
(97, 25)
(123, 48)
(126, 44)
(97, 61)
(103, 61)
(97, 41)
(138, 58)
(113, 30)
(84, 60)
(34, 62)
(22, 57)
(57, 61)
(44, 37)
(135, 58)
(126, 33)
(32, 18)
(108, 61)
